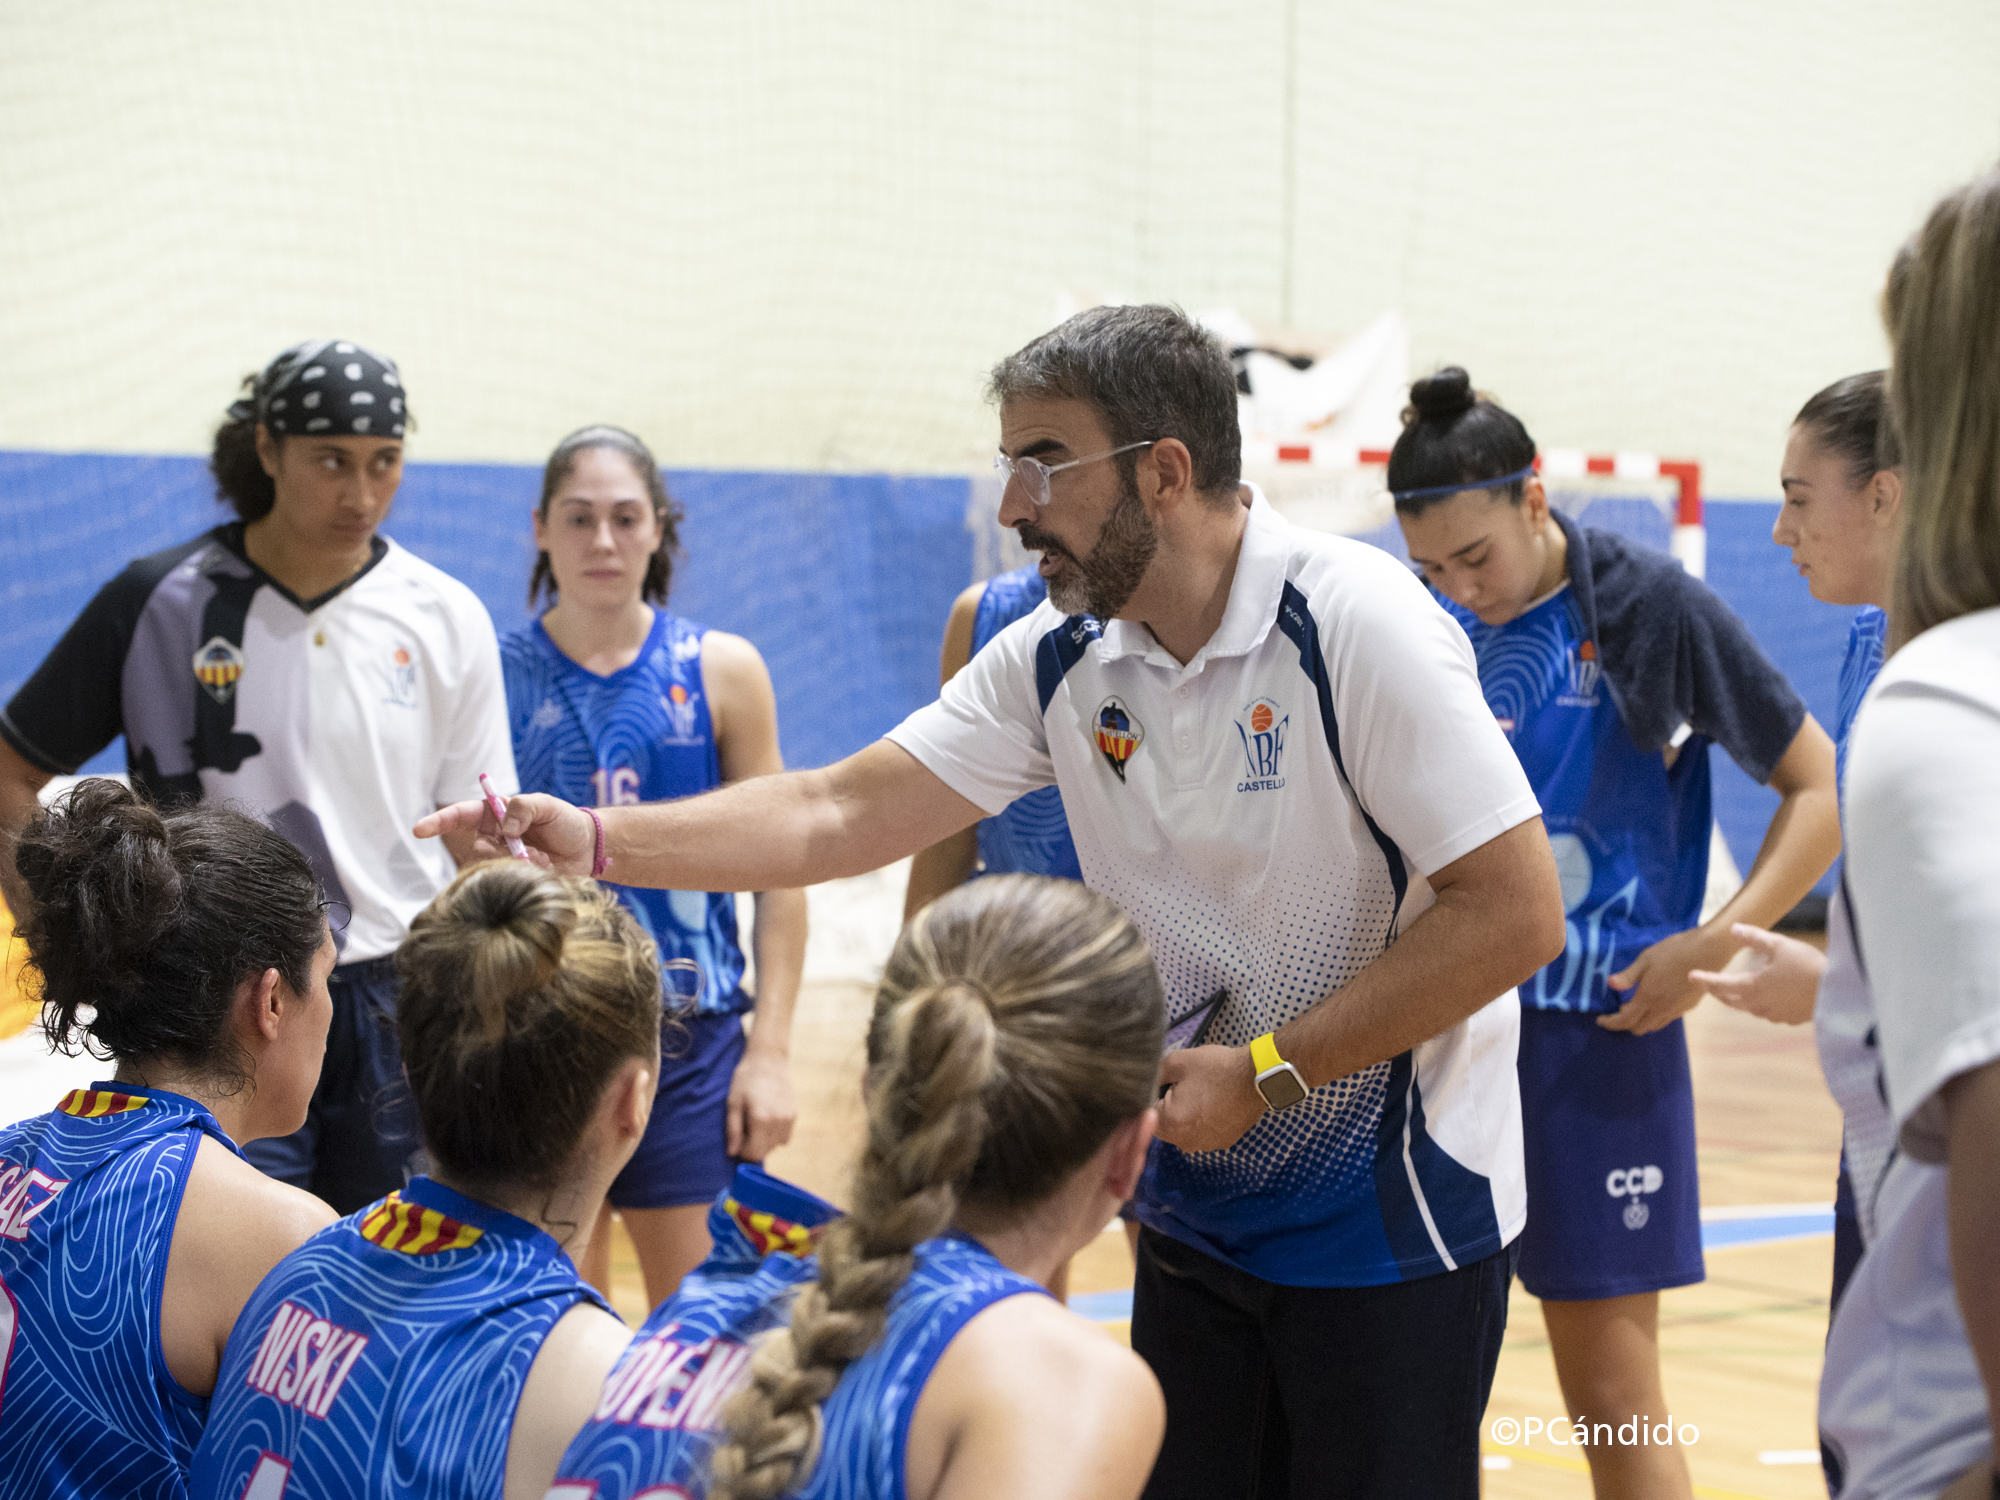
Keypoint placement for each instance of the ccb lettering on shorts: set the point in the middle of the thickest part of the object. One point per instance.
(1634, 1182)
(304, 1359)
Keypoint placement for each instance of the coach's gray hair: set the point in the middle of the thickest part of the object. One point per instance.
(1150, 372)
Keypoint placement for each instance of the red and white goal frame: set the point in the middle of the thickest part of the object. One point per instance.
(1566, 471)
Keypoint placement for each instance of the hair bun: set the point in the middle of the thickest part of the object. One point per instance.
(1443, 396)
(515, 919)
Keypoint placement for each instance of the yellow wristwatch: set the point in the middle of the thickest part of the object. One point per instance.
(1277, 1080)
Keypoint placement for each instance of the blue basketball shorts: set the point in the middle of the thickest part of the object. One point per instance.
(683, 1157)
(1607, 1125)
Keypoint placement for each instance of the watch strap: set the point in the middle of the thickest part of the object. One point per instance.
(1264, 1053)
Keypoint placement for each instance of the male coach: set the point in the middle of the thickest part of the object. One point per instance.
(1275, 755)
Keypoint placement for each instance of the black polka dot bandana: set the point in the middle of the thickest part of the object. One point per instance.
(328, 386)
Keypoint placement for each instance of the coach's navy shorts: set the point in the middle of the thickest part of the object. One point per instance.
(1607, 1124)
(683, 1157)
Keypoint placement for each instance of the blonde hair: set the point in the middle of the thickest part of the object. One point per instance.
(1942, 307)
(1018, 1024)
(522, 992)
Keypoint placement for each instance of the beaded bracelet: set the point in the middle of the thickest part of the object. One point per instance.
(598, 863)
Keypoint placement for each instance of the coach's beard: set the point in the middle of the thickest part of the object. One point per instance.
(1101, 584)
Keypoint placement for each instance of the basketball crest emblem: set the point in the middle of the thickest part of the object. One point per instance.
(217, 666)
(1117, 734)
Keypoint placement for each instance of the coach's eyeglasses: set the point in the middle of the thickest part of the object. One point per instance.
(1034, 474)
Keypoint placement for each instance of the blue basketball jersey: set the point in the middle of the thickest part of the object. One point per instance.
(867, 1418)
(660, 1411)
(1865, 640)
(1031, 837)
(89, 1194)
(1630, 834)
(385, 1356)
(640, 735)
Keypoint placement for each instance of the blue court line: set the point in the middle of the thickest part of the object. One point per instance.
(1723, 1229)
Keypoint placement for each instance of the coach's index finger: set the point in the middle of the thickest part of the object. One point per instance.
(459, 816)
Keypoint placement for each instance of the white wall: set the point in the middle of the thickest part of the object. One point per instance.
(795, 235)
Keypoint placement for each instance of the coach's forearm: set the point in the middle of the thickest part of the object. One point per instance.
(1498, 918)
(796, 829)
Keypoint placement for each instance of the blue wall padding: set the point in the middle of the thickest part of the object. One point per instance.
(1804, 637)
(841, 581)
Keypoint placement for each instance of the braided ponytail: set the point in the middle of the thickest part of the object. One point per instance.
(1018, 1024)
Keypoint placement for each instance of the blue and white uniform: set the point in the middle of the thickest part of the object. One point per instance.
(1844, 1013)
(89, 1195)
(661, 1409)
(1267, 812)
(639, 1437)
(643, 734)
(1608, 1117)
(385, 1356)
(1031, 836)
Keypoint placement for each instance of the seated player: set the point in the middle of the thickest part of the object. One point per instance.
(1013, 1060)
(613, 700)
(1611, 671)
(440, 1342)
(191, 949)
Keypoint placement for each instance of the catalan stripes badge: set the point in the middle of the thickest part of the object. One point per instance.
(768, 1233)
(97, 1104)
(1117, 733)
(398, 1224)
(217, 665)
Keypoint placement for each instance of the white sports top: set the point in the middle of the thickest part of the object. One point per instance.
(1267, 814)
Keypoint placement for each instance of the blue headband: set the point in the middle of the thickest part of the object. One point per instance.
(1469, 484)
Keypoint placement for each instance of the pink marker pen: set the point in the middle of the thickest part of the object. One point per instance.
(514, 846)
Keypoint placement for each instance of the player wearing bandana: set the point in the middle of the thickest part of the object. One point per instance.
(298, 665)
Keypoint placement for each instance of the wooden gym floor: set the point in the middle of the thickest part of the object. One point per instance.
(1741, 1350)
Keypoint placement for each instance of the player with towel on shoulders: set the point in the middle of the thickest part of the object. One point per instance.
(1273, 754)
(1611, 671)
(300, 665)
(192, 950)
(613, 701)
(441, 1342)
(1013, 1063)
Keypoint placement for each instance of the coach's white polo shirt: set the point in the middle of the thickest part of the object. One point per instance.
(1268, 814)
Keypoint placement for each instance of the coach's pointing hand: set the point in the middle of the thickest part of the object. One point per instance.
(559, 836)
(1211, 1099)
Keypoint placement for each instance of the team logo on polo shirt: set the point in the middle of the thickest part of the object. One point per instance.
(217, 666)
(399, 678)
(1117, 733)
(1262, 730)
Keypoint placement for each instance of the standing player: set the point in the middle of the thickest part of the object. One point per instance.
(1611, 670)
(1843, 500)
(1031, 837)
(193, 951)
(303, 667)
(613, 701)
(1909, 1400)
(1013, 1061)
(440, 1342)
(1274, 756)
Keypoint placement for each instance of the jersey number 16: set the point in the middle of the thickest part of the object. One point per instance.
(619, 788)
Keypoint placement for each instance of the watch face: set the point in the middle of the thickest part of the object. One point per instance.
(1281, 1087)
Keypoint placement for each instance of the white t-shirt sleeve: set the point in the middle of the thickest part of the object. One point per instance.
(1923, 821)
(476, 735)
(984, 736)
(1421, 747)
